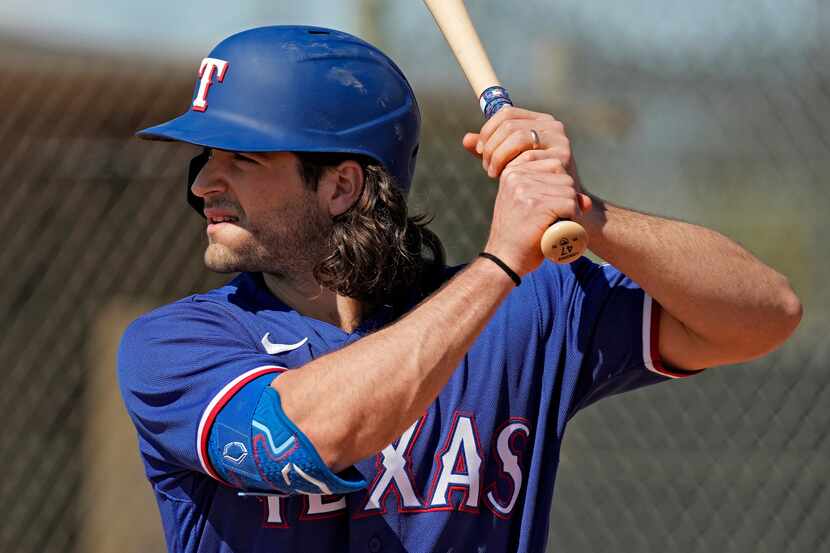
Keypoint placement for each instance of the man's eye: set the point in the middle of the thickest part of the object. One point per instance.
(243, 157)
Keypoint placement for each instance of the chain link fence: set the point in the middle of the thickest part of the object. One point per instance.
(735, 137)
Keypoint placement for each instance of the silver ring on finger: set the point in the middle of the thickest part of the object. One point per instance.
(534, 139)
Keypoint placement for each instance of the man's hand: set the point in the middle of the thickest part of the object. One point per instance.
(507, 134)
(538, 182)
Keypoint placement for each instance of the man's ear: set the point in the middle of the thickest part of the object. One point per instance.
(341, 186)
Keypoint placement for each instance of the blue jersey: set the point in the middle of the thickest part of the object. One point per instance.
(475, 473)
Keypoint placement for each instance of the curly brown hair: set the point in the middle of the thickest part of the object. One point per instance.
(379, 254)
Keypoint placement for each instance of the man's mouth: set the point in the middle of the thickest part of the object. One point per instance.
(223, 219)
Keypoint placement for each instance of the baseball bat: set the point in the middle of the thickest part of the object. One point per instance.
(564, 241)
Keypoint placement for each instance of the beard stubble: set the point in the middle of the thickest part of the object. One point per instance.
(287, 244)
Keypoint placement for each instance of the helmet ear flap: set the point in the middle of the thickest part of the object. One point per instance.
(194, 167)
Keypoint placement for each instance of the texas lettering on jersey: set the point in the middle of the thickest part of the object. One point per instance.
(459, 467)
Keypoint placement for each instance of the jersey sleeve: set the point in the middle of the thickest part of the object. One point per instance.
(177, 367)
(602, 332)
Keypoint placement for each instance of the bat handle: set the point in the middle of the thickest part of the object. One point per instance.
(564, 241)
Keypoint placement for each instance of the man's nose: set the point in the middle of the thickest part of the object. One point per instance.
(210, 179)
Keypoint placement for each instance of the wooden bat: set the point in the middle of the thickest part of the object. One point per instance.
(564, 241)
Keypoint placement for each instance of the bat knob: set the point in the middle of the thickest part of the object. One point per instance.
(564, 241)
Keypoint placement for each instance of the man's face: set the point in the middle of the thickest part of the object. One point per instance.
(261, 216)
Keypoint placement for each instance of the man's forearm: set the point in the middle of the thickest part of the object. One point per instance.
(735, 305)
(354, 402)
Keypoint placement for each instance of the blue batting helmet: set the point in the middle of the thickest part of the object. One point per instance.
(300, 89)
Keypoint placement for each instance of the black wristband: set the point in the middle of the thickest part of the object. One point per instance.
(510, 272)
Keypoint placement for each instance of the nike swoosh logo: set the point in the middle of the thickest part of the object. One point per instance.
(274, 349)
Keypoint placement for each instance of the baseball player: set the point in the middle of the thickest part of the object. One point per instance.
(347, 391)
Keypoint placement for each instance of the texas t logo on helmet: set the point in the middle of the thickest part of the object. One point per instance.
(207, 69)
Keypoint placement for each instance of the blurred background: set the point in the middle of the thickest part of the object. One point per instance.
(713, 112)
